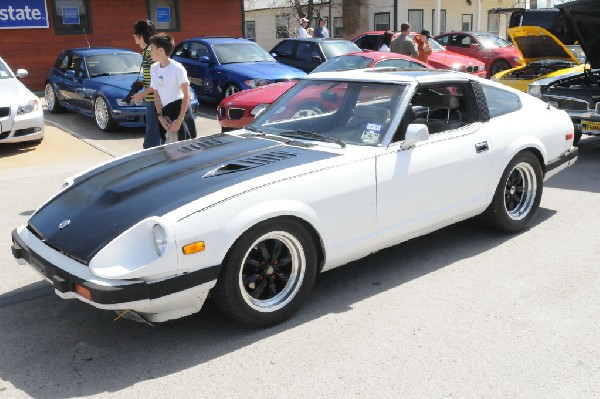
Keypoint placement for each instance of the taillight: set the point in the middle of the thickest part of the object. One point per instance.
(569, 136)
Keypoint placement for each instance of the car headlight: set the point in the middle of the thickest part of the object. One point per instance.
(535, 90)
(160, 239)
(457, 67)
(31, 106)
(253, 83)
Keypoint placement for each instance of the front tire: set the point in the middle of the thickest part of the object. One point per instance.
(52, 102)
(498, 66)
(103, 115)
(518, 195)
(267, 274)
(230, 90)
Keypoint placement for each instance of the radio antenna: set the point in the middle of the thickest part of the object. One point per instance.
(86, 38)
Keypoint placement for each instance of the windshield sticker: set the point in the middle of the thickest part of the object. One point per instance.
(370, 136)
(374, 127)
(3, 74)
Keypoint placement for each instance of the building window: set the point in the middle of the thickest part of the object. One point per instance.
(415, 19)
(382, 21)
(282, 24)
(442, 24)
(72, 17)
(164, 14)
(494, 23)
(251, 30)
(338, 27)
(467, 22)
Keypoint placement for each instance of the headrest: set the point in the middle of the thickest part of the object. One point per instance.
(372, 112)
(443, 101)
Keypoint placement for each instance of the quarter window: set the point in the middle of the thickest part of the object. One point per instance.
(500, 102)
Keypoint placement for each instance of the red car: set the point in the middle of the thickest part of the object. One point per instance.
(238, 110)
(440, 58)
(497, 53)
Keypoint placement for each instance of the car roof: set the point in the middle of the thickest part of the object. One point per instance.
(314, 39)
(395, 75)
(98, 50)
(219, 39)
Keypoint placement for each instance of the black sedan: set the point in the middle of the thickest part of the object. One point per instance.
(307, 54)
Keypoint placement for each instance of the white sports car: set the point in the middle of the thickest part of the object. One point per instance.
(342, 165)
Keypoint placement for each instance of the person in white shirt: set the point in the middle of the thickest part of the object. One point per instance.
(171, 87)
(302, 33)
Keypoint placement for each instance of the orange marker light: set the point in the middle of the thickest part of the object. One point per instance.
(84, 292)
(193, 248)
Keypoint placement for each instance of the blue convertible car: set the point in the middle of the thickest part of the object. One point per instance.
(221, 66)
(95, 81)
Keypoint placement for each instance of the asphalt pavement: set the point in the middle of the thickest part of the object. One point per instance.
(463, 312)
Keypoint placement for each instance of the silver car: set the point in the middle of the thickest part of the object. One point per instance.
(21, 115)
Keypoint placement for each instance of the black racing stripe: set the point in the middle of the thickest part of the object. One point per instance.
(106, 201)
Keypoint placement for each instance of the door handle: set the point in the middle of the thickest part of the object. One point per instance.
(481, 147)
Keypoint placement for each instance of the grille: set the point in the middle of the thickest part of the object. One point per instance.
(567, 103)
(236, 113)
(4, 111)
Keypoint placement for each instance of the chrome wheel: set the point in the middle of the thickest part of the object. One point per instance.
(102, 113)
(230, 90)
(520, 191)
(51, 101)
(272, 271)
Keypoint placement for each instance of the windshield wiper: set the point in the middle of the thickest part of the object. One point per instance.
(301, 134)
(102, 74)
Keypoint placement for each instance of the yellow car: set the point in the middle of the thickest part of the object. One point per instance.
(543, 56)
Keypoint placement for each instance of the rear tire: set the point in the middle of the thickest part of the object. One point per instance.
(267, 274)
(517, 197)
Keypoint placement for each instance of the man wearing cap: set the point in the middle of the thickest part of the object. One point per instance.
(402, 44)
(322, 31)
(302, 33)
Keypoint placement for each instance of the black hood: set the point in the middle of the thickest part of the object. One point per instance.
(105, 202)
(583, 17)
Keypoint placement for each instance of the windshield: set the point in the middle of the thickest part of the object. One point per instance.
(5, 72)
(334, 48)
(491, 41)
(113, 64)
(345, 112)
(229, 53)
(344, 63)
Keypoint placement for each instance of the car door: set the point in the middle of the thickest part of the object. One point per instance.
(439, 180)
(70, 81)
(196, 58)
(463, 44)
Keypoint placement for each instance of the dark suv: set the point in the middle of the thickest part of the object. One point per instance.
(307, 54)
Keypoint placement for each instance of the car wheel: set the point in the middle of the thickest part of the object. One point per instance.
(231, 89)
(267, 274)
(498, 66)
(52, 102)
(518, 195)
(308, 109)
(103, 115)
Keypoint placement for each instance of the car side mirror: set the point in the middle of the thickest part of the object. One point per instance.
(415, 132)
(70, 74)
(204, 59)
(21, 73)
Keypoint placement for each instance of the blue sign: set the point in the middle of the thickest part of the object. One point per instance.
(163, 14)
(71, 16)
(23, 14)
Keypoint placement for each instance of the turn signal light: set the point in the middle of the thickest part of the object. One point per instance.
(193, 248)
(569, 136)
(84, 292)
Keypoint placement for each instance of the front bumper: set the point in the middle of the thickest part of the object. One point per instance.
(27, 127)
(565, 160)
(112, 294)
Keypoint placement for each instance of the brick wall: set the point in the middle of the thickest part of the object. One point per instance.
(112, 25)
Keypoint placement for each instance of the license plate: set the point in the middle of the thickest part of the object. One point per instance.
(590, 127)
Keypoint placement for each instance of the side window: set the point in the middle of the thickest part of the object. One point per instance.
(284, 49)
(369, 42)
(442, 107)
(75, 65)
(416, 65)
(395, 63)
(198, 50)
(182, 50)
(442, 40)
(305, 51)
(62, 63)
(500, 102)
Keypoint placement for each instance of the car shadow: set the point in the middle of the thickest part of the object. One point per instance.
(53, 348)
(14, 149)
(576, 177)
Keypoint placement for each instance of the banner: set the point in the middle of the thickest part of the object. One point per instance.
(23, 14)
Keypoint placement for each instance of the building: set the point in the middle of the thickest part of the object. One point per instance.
(33, 32)
(268, 21)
